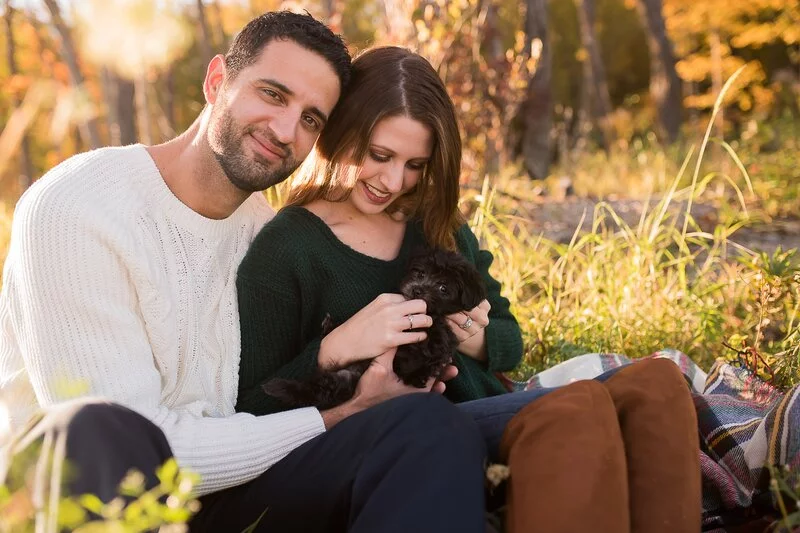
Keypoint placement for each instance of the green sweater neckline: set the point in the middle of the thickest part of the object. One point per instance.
(334, 241)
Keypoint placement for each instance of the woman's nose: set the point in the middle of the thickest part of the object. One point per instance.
(393, 178)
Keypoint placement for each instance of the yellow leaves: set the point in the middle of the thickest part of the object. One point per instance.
(756, 35)
(763, 97)
(694, 68)
(699, 68)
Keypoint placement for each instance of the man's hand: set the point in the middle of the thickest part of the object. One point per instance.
(378, 384)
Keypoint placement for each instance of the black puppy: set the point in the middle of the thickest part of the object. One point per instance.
(448, 283)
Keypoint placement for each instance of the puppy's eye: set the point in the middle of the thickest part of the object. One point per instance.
(419, 274)
(443, 289)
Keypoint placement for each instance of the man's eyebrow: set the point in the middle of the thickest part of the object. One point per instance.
(314, 110)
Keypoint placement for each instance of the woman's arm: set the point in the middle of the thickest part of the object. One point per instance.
(272, 325)
(499, 343)
(278, 290)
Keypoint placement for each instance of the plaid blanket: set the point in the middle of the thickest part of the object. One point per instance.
(745, 424)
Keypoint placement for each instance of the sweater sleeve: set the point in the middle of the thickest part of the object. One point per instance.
(272, 335)
(278, 287)
(71, 306)
(503, 336)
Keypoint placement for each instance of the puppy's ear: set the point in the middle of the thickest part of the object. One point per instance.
(473, 291)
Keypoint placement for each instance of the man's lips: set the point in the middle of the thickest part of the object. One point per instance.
(268, 149)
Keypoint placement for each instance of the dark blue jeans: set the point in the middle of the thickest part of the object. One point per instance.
(414, 463)
(493, 414)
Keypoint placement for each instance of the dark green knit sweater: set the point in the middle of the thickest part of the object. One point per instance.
(296, 271)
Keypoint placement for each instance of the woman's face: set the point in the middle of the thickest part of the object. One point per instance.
(398, 151)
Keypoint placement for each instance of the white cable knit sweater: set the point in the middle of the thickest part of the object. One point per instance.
(114, 287)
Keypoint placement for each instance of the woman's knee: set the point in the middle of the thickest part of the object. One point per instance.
(580, 408)
(652, 380)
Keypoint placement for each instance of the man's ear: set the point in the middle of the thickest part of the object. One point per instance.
(215, 77)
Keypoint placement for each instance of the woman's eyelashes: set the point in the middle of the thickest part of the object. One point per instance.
(382, 158)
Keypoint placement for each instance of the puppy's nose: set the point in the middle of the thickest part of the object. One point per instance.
(416, 292)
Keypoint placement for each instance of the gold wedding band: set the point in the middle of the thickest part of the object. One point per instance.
(410, 321)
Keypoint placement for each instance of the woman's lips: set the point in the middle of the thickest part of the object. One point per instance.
(374, 198)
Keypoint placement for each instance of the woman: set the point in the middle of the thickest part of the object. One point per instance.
(383, 179)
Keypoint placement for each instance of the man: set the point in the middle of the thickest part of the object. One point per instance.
(120, 279)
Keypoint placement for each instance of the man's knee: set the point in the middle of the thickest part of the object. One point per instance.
(425, 412)
(105, 441)
(107, 427)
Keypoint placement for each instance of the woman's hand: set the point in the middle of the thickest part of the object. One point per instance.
(468, 327)
(381, 326)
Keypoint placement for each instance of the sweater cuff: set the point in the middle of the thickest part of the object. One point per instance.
(239, 456)
(502, 354)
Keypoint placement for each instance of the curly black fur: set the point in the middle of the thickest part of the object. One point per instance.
(448, 283)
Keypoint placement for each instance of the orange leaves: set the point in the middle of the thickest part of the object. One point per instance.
(710, 35)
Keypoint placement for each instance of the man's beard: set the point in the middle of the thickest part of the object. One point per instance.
(244, 173)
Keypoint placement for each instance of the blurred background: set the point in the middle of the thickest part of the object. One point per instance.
(539, 84)
(632, 165)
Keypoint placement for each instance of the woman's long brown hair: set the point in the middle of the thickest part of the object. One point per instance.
(388, 82)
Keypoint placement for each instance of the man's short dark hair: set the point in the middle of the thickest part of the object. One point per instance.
(303, 29)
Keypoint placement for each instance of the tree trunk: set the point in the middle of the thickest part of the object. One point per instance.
(594, 72)
(121, 108)
(665, 86)
(166, 99)
(26, 167)
(538, 108)
(206, 41)
(494, 56)
(126, 110)
(715, 45)
(143, 109)
(222, 37)
(88, 129)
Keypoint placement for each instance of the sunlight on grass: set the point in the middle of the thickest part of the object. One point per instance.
(635, 289)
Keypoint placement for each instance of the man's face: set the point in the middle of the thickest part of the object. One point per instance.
(266, 120)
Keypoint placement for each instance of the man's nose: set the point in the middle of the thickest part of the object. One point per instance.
(284, 126)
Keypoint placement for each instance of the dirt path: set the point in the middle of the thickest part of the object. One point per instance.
(557, 220)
